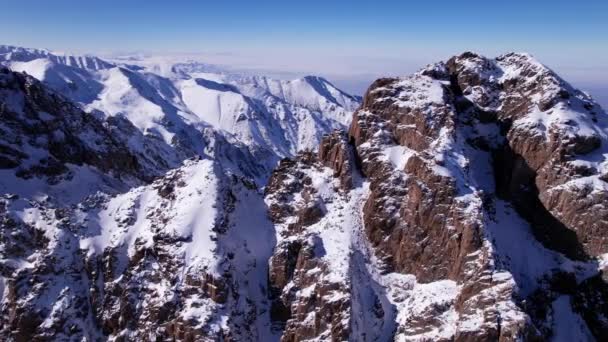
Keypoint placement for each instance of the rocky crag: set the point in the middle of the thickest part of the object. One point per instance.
(466, 202)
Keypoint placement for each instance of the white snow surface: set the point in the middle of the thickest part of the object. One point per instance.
(161, 96)
(193, 216)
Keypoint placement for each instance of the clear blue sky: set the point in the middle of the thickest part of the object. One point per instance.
(344, 39)
(191, 25)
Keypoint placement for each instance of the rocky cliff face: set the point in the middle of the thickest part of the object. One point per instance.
(472, 192)
(465, 202)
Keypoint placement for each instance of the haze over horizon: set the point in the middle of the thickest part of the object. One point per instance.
(350, 43)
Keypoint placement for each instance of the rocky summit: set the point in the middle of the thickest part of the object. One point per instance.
(174, 202)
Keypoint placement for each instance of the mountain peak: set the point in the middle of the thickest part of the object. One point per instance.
(484, 145)
(316, 79)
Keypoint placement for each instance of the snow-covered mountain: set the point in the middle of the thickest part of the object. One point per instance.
(180, 154)
(140, 200)
(465, 203)
(174, 100)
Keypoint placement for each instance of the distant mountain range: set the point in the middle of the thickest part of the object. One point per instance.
(169, 99)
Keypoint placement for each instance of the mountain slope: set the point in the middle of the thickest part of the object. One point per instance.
(92, 240)
(174, 101)
(47, 138)
(175, 252)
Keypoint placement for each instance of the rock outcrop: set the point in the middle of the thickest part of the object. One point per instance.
(480, 190)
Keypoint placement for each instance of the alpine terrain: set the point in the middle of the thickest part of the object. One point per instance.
(158, 199)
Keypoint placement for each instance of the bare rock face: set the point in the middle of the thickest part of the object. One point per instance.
(477, 187)
(552, 130)
(335, 153)
(306, 302)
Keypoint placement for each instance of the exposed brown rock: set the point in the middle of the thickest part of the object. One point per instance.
(336, 153)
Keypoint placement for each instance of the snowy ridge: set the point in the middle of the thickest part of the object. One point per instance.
(169, 98)
(19, 54)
